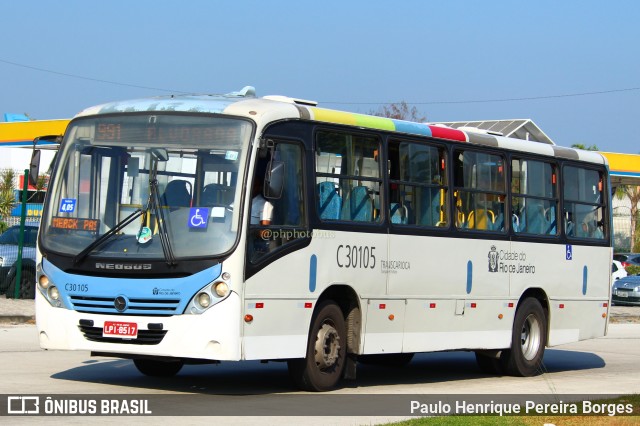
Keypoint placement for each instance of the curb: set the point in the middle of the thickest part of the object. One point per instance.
(624, 319)
(16, 319)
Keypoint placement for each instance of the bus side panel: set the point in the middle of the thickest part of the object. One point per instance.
(433, 324)
(384, 326)
(573, 320)
(456, 296)
(575, 278)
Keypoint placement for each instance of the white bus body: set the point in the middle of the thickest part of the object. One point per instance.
(329, 285)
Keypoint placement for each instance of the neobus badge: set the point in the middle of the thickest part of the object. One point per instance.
(124, 266)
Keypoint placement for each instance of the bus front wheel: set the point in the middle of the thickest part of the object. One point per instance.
(528, 340)
(156, 368)
(324, 363)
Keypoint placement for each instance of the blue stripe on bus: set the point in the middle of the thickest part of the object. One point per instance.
(149, 296)
(469, 276)
(585, 274)
(313, 269)
(413, 128)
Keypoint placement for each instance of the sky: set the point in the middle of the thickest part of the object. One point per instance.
(453, 60)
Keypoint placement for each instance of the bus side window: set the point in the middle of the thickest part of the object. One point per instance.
(479, 182)
(534, 196)
(418, 191)
(584, 203)
(348, 177)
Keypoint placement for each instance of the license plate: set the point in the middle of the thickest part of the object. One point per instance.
(124, 330)
(622, 294)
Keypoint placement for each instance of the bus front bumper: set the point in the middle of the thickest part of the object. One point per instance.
(212, 335)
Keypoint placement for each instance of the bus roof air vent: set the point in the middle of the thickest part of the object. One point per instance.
(291, 100)
(245, 92)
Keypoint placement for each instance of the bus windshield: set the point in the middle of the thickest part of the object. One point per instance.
(147, 186)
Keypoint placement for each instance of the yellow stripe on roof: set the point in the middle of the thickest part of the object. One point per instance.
(351, 119)
(23, 132)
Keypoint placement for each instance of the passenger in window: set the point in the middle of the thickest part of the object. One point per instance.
(584, 230)
(598, 233)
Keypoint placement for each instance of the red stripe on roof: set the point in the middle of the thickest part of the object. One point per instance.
(448, 133)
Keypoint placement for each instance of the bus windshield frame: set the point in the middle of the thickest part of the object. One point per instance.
(154, 183)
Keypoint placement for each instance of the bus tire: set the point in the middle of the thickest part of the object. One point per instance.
(156, 368)
(322, 368)
(528, 340)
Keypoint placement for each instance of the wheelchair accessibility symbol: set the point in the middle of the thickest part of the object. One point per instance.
(569, 252)
(198, 217)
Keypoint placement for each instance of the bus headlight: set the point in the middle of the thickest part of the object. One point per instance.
(204, 300)
(53, 293)
(211, 294)
(48, 288)
(43, 281)
(221, 288)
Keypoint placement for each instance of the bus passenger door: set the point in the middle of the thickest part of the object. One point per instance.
(276, 293)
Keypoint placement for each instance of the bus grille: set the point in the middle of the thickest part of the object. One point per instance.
(137, 306)
(145, 337)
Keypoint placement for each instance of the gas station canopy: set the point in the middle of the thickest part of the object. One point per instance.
(22, 133)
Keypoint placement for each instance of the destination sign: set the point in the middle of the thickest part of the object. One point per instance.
(75, 224)
(130, 132)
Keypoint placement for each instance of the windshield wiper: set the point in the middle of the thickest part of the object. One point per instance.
(154, 200)
(153, 203)
(104, 237)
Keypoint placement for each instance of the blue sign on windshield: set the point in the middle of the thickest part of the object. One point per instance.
(198, 217)
(68, 205)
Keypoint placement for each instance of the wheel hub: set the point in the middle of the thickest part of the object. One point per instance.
(530, 337)
(327, 346)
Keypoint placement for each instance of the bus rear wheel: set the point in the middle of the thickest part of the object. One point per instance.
(528, 340)
(157, 368)
(322, 368)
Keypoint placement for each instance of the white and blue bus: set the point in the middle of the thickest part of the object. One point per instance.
(386, 238)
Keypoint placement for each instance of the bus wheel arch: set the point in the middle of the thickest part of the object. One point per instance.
(334, 332)
(347, 299)
(540, 295)
(529, 335)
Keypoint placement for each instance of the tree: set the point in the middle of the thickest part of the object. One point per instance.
(586, 148)
(632, 192)
(400, 111)
(7, 196)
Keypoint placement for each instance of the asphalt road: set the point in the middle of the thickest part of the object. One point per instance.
(607, 365)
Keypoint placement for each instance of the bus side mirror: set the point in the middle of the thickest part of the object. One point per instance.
(274, 180)
(34, 167)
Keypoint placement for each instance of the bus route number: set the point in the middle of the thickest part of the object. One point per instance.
(348, 256)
